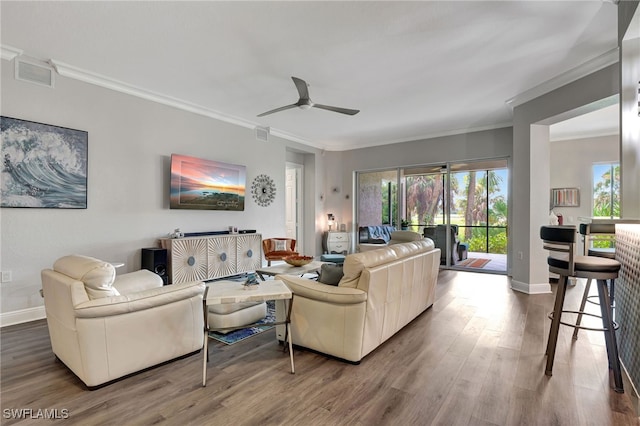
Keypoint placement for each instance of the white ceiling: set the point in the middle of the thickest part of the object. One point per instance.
(601, 122)
(414, 69)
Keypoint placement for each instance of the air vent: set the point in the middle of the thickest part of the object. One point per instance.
(41, 74)
(262, 134)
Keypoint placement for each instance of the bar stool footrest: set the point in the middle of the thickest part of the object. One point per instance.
(597, 302)
(581, 327)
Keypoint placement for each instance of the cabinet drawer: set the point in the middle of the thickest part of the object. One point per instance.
(339, 247)
(338, 237)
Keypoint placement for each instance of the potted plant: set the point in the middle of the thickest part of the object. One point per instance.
(404, 224)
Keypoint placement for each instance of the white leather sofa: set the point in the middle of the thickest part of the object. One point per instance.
(381, 292)
(104, 327)
(397, 237)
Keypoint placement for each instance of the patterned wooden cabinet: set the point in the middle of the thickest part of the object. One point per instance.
(212, 256)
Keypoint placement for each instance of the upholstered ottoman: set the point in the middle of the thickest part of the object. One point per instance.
(235, 314)
(334, 258)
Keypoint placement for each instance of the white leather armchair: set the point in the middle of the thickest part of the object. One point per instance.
(104, 327)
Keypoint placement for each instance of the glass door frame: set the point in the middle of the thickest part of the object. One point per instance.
(450, 170)
(446, 170)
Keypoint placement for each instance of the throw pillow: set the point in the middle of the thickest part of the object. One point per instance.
(281, 245)
(330, 274)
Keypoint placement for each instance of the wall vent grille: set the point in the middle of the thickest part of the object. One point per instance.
(262, 134)
(42, 75)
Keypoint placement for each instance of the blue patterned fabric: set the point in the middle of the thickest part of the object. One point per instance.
(238, 335)
(379, 234)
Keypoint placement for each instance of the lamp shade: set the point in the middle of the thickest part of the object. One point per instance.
(330, 220)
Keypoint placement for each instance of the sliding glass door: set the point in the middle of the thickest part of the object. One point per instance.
(461, 206)
(479, 211)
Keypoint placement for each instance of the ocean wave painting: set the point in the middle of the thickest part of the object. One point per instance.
(43, 166)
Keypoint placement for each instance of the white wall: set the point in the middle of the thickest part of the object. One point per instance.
(130, 144)
(571, 167)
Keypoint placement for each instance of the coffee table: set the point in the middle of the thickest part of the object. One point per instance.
(220, 292)
(286, 269)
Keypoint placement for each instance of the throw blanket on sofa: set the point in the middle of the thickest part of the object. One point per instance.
(379, 234)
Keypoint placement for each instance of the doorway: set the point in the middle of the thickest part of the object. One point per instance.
(293, 202)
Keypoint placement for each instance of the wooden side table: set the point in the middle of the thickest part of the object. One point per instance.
(221, 292)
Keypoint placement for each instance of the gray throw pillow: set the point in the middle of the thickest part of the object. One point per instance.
(330, 274)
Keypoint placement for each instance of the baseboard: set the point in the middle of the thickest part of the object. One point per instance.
(527, 288)
(630, 390)
(23, 315)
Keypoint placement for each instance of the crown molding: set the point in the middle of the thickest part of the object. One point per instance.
(96, 79)
(293, 138)
(9, 53)
(361, 145)
(609, 58)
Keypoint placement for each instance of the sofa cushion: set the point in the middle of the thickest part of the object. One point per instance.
(134, 282)
(354, 264)
(330, 274)
(97, 276)
(404, 250)
(398, 237)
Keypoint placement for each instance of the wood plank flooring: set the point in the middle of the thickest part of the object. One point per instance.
(475, 358)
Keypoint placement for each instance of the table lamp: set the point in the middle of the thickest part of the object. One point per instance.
(330, 220)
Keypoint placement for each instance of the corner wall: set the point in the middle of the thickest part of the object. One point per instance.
(532, 182)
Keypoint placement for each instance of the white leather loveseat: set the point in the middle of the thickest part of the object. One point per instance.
(104, 327)
(381, 292)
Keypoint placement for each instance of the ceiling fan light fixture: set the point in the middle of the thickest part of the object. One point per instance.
(305, 103)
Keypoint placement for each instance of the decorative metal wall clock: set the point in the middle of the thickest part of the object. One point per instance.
(263, 190)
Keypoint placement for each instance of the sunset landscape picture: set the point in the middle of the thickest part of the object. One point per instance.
(206, 185)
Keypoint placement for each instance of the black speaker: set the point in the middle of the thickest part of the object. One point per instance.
(155, 260)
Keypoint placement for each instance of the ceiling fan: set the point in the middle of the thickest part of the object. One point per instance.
(305, 102)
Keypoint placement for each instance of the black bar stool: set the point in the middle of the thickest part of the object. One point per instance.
(592, 232)
(561, 239)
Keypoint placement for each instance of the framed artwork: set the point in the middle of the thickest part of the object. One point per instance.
(565, 197)
(206, 185)
(43, 166)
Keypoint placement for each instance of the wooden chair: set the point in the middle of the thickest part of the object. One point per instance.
(278, 248)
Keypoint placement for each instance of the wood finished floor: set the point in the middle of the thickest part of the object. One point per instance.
(475, 358)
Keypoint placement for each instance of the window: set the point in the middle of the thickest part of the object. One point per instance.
(606, 190)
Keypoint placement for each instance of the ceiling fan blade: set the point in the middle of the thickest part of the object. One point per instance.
(278, 110)
(303, 88)
(337, 109)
